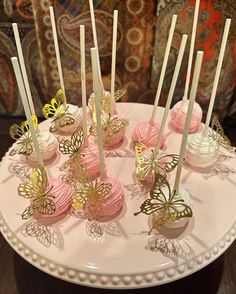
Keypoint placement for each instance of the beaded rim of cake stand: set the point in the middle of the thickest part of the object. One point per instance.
(124, 281)
(128, 281)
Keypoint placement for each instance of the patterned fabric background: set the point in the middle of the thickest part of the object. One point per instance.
(211, 21)
(134, 52)
(142, 34)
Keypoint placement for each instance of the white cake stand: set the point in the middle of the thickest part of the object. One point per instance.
(124, 256)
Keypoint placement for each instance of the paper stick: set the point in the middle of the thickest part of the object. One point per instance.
(164, 65)
(21, 87)
(95, 40)
(83, 83)
(217, 75)
(113, 61)
(54, 31)
(193, 93)
(23, 68)
(97, 93)
(171, 92)
(191, 51)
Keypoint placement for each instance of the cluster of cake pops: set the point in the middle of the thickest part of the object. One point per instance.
(91, 189)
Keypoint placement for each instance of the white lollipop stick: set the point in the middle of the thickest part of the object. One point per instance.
(217, 75)
(171, 92)
(113, 61)
(97, 93)
(21, 87)
(54, 31)
(95, 40)
(164, 65)
(83, 83)
(23, 68)
(190, 59)
(193, 93)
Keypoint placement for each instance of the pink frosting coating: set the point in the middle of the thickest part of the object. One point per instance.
(178, 116)
(113, 202)
(62, 193)
(91, 159)
(116, 140)
(147, 134)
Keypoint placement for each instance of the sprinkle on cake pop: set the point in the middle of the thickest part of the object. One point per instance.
(179, 111)
(202, 149)
(147, 132)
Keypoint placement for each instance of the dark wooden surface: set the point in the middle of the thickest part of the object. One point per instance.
(18, 276)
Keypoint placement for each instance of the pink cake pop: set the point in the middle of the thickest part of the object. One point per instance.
(147, 132)
(178, 116)
(62, 194)
(179, 111)
(111, 203)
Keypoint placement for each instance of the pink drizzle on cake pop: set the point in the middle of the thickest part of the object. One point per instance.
(62, 193)
(147, 133)
(90, 159)
(178, 116)
(113, 202)
(116, 140)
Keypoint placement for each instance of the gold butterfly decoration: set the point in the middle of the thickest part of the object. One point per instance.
(111, 126)
(153, 163)
(36, 190)
(58, 112)
(217, 133)
(168, 205)
(73, 147)
(22, 135)
(89, 196)
(106, 100)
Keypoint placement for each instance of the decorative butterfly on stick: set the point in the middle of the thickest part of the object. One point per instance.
(37, 191)
(111, 126)
(217, 133)
(56, 110)
(21, 133)
(73, 148)
(164, 202)
(89, 196)
(153, 163)
(106, 100)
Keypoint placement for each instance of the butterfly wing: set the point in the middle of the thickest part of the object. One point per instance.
(44, 206)
(119, 93)
(217, 133)
(143, 167)
(103, 190)
(139, 148)
(167, 162)
(16, 131)
(81, 194)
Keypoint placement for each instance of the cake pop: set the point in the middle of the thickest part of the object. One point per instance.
(202, 149)
(167, 206)
(103, 199)
(147, 132)
(47, 142)
(149, 161)
(179, 111)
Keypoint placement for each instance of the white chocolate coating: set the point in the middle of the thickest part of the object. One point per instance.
(76, 113)
(201, 151)
(48, 146)
(183, 194)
